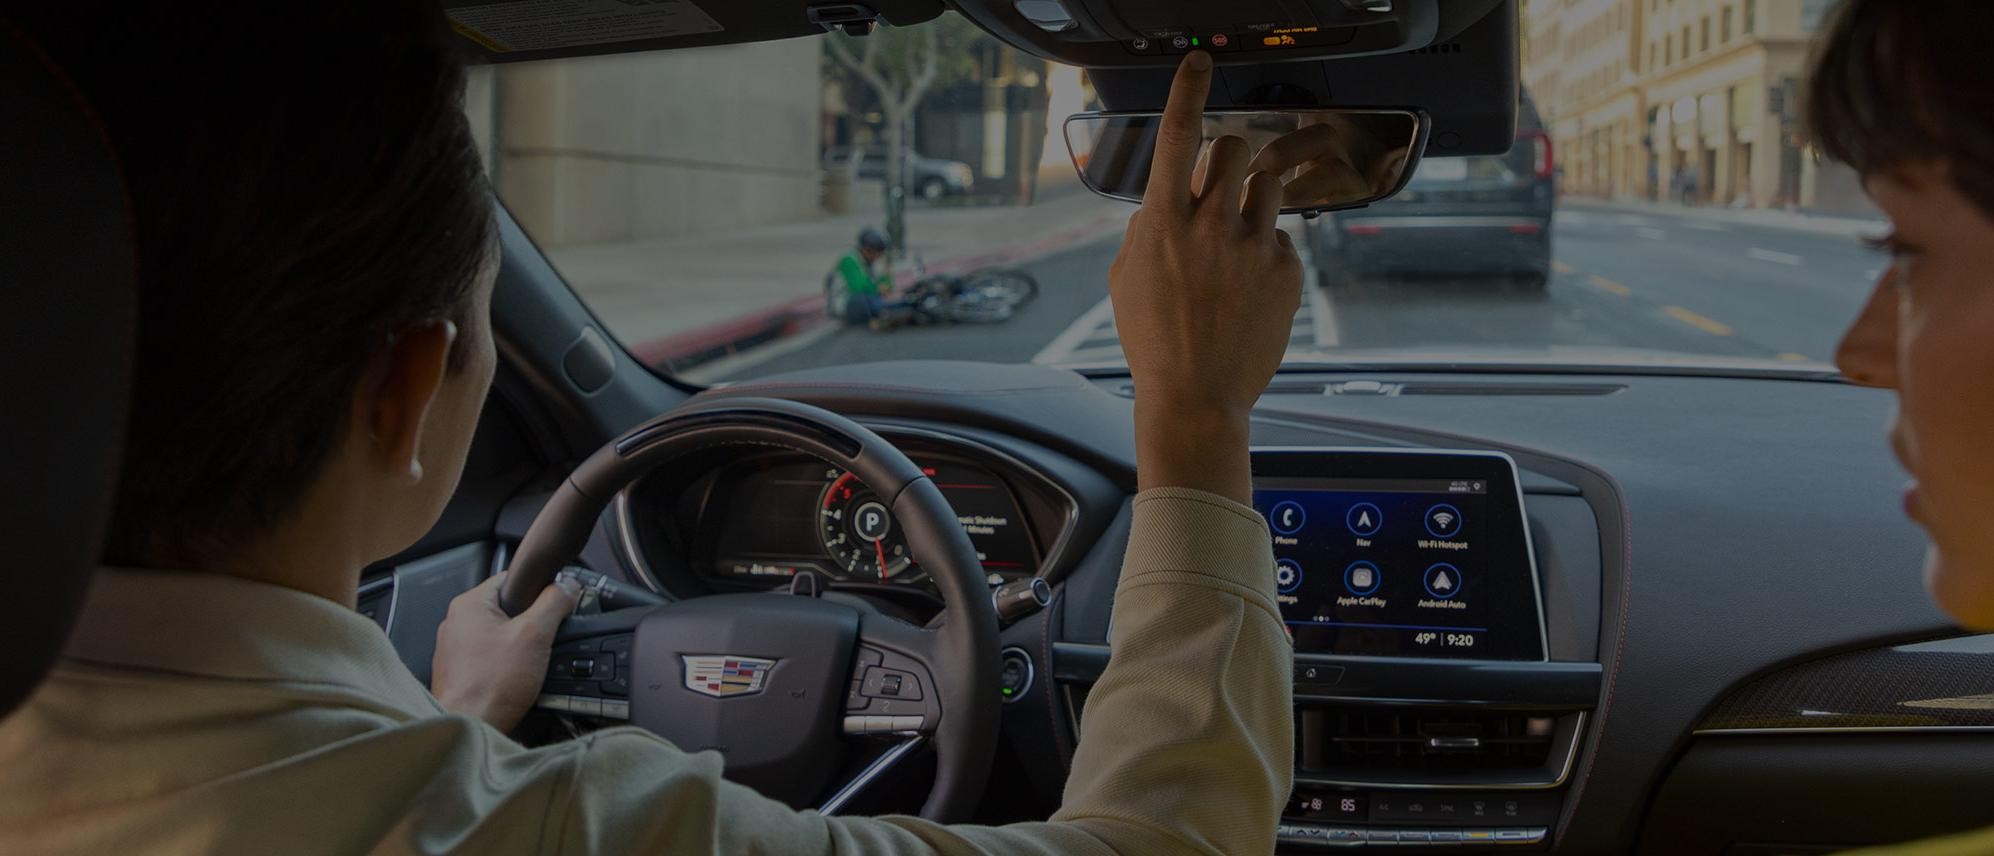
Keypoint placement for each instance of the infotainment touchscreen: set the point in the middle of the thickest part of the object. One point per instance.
(1408, 554)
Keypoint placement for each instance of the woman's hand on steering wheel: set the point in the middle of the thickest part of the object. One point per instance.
(490, 665)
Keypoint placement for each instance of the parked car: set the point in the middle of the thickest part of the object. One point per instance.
(930, 178)
(1467, 216)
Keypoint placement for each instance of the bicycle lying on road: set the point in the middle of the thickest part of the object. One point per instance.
(983, 296)
(986, 296)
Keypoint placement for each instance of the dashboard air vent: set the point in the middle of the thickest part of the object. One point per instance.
(1433, 746)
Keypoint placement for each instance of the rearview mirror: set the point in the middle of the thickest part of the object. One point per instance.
(1327, 159)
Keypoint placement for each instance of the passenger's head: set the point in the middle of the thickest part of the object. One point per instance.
(315, 250)
(1903, 93)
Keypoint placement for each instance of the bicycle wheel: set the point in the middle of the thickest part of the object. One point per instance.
(1008, 284)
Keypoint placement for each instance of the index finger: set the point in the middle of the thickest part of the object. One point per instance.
(1180, 132)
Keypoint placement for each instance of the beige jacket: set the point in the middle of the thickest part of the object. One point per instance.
(204, 714)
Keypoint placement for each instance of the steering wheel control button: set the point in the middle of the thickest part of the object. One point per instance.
(1443, 581)
(881, 682)
(907, 723)
(614, 709)
(1287, 518)
(1364, 520)
(558, 703)
(1287, 575)
(1443, 521)
(1362, 578)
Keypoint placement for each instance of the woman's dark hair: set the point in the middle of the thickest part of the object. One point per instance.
(1896, 82)
(303, 186)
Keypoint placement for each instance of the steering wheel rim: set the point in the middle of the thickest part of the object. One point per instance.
(959, 657)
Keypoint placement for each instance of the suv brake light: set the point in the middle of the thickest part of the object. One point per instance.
(1540, 153)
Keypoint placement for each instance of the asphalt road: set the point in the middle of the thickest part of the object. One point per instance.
(1654, 281)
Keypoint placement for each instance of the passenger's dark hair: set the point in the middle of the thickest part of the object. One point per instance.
(304, 185)
(1896, 82)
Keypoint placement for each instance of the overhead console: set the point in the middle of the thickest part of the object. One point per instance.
(1148, 32)
(1456, 60)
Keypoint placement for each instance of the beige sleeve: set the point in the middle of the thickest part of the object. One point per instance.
(1185, 743)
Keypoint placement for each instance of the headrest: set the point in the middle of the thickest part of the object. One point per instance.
(68, 309)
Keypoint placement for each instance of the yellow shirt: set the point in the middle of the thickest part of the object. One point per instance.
(1978, 843)
(197, 713)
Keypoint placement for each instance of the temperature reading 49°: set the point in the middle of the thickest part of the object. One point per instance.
(1444, 640)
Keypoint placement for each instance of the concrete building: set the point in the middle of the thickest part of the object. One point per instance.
(654, 145)
(1688, 100)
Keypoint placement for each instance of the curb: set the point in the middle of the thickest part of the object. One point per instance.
(683, 350)
(1763, 218)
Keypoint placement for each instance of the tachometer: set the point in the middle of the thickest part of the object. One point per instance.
(860, 534)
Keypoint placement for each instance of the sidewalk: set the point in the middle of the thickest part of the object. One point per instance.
(1769, 218)
(683, 301)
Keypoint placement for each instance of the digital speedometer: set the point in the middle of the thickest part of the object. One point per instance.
(860, 534)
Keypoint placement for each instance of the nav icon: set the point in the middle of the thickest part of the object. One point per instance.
(1364, 520)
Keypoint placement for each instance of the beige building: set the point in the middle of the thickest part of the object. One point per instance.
(1689, 100)
(653, 145)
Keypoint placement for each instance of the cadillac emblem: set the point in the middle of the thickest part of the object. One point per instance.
(726, 677)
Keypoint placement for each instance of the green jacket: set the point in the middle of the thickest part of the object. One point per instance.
(858, 280)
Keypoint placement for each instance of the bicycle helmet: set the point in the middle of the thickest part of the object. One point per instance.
(872, 239)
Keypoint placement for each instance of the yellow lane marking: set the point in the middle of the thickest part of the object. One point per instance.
(1707, 325)
(1558, 267)
(1792, 357)
(1608, 286)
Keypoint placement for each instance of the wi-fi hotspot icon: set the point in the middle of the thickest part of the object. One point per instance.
(1443, 520)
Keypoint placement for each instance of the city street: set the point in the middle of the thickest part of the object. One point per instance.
(1660, 280)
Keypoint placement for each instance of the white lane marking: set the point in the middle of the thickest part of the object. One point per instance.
(1702, 226)
(1323, 313)
(1062, 346)
(1652, 234)
(1773, 256)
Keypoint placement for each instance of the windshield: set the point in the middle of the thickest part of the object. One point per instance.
(1657, 207)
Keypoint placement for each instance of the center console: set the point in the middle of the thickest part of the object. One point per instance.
(1431, 708)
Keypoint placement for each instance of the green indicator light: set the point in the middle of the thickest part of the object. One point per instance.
(1194, 41)
(1006, 690)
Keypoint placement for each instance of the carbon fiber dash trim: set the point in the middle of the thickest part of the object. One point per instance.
(1945, 683)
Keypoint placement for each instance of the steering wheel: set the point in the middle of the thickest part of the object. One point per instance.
(783, 687)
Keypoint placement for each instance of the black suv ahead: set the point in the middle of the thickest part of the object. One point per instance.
(1481, 217)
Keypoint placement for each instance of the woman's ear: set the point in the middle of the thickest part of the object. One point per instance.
(398, 403)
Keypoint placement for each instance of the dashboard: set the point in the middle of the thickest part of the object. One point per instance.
(1561, 627)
